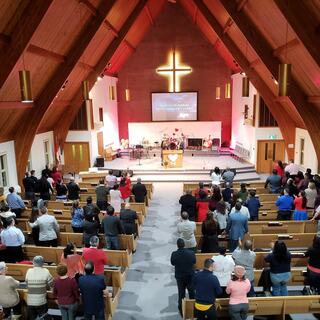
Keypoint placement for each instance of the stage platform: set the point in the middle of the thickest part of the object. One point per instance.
(195, 168)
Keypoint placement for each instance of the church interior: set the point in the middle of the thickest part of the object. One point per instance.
(175, 95)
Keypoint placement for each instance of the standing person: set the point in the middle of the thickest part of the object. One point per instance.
(303, 184)
(73, 190)
(97, 256)
(90, 229)
(280, 268)
(278, 166)
(112, 228)
(15, 202)
(245, 257)
(207, 288)
(313, 268)
(228, 176)
(128, 219)
(216, 176)
(90, 209)
(183, 261)
(66, 291)
(29, 187)
(139, 191)
(48, 229)
(125, 190)
(186, 231)
(223, 267)
(72, 260)
(9, 296)
(115, 198)
(61, 191)
(221, 216)
(199, 189)
(92, 289)
(188, 204)
(202, 206)
(38, 280)
(209, 230)
(13, 239)
(284, 204)
(56, 175)
(110, 180)
(227, 193)
(102, 194)
(311, 194)
(274, 182)
(44, 188)
(292, 168)
(215, 198)
(237, 226)
(238, 287)
(243, 192)
(35, 231)
(35, 180)
(300, 205)
(77, 217)
(253, 205)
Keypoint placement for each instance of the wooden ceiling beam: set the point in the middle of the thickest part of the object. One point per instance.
(90, 7)
(6, 105)
(46, 53)
(241, 5)
(286, 47)
(4, 38)
(287, 126)
(227, 25)
(62, 131)
(255, 62)
(22, 33)
(129, 45)
(148, 12)
(195, 14)
(111, 28)
(314, 99)
(26, 131)
(258, 42)
(304, 23)
(85, 66)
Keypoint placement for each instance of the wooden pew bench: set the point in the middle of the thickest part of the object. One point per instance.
(268, 306)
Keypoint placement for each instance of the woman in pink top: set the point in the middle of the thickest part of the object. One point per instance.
(73, 261)
(238, 287)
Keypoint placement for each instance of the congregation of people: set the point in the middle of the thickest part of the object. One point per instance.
(224, 213)
(81, 271)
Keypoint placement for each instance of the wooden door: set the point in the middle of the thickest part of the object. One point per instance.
(268, 152)
(100, 143)
(76, 156)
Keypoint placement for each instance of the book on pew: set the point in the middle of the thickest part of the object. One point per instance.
(57, 211)
(83, 190)
(275, 223)
(284, 236)
(111, 267)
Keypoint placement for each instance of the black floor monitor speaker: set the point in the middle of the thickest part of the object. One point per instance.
(100, 162)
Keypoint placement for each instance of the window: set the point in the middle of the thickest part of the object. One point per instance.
(4, 181)
(301, 151)
(266, 119)
(46, 152)
(101, 114)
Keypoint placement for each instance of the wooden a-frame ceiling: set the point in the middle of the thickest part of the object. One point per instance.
(63, 42)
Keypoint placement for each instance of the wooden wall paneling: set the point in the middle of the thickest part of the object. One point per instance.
(21, 36)
(286, 123)
(258, 42)
(26, 132)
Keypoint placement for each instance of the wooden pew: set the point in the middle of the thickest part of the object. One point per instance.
(53, 254)
(268, 306)
(111, 303)
(266, 215)
(297, 259)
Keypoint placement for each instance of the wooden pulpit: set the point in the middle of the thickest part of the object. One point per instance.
(172, 158)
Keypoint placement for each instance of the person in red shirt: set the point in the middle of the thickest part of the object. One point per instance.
(97, 256)
(56, 175)
(66, 292)
(202, 206)
(279, 167)
(125, 190)
(300, 207)
(200, 188)
(72, 260)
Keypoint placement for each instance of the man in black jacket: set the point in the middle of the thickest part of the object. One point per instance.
(73, 190)
(183, 260)
(128, 218)
(29, 187)
(139, 191)
(188, 204)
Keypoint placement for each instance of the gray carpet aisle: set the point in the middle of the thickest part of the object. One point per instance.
(150, 290)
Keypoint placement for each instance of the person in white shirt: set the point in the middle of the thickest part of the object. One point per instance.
(186, 231)
(13, 239)
(115, 198)
(223, 267)
(292, 168)
(110, 180)
(48, 229)
(244, 210)
(216, 176)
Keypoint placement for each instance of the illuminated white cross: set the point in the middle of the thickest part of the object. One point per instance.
(174, 71)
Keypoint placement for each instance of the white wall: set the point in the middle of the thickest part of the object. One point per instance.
(310, 157)
(246, 134)
(8, 149)
(38, 161)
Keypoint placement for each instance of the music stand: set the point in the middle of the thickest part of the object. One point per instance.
(139, 148)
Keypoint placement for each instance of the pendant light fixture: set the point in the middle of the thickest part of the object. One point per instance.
(85, 90)
(227, 92)
(284, 73)
(25, 86)
(245, 80)
(127, 92)
(218, 93)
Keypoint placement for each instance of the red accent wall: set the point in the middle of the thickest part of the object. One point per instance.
(173, 27)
